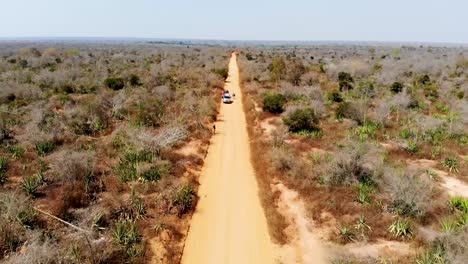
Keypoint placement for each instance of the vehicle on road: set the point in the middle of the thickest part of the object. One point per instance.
(227, 99)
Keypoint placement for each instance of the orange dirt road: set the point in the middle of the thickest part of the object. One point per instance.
(229, 225)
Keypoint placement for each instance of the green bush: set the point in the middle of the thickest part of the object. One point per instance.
(3, 170)
(348, 110)
(335, 96)
(412, 147)
(397, 87)
(135, 80)
(114, 83)
(156, 172)
(183, 199)
(345, 81)
(223, 72)
(302, 119)
(148, 113)
(44, 147)
(273, 103)
(406, 133)
(366, 131)
(424, 79)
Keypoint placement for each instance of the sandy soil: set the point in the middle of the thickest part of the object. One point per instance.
(453, 186)
(305, 246)
(229, 225)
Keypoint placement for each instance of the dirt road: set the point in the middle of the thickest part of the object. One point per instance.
(229, 225)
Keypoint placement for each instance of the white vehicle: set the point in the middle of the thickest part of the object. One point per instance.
(227, 99)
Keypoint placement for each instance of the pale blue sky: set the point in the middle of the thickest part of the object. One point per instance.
(361, 20)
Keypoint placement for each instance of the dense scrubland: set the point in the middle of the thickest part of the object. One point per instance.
(368, 136)
(91, 134)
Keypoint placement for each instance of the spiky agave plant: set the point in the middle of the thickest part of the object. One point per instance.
(451, 163)
(449, 225)
(401, 228)
(346, 234)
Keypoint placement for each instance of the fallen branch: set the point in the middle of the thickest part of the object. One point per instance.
(63, 221)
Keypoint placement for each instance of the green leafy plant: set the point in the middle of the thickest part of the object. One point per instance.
(401, 228)
(135, 80)
(364, 192)
(31, 185)
(396, 87)
(126, 234)
(346, 234)
(3, 170)
(449, 225)
(351, 111)
(138, 205)
(345, 81)
(412, 147)
(44, 147)
(451, 163)
(148, 113)
(183, 199)
(335, 96)
(223, 72)
(156, 172)
(406, 134)
(432, 256)
(302, 119)
(459, 203)
(366, 131)
(114, 83)
(16, 151)
(273, 103)
(127, 168)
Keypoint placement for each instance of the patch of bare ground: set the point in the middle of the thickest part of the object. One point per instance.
(451, 185)
(381, 249)
(269, 125)
(304, 244)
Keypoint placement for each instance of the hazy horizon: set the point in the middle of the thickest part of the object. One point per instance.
(417, 21)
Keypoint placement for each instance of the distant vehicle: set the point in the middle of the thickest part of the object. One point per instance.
(227, 99)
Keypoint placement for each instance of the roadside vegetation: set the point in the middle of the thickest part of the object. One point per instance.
(352, 129)
(90, 134)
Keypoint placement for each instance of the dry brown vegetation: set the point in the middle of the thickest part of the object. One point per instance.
(90, 134)
(357, 122)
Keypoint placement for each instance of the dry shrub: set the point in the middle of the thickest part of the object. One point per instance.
(164, 138)
(356, 162)
(279, 135)
(282, 159)
(74, 166)
(410, 191)
(455, 247)
(38, 251)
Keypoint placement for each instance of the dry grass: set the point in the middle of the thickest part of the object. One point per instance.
(97, 151)
(343, 173)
